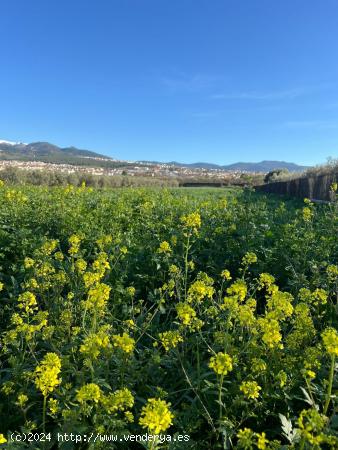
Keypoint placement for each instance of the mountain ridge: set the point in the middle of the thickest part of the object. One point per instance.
(47, 152)
(262, 166)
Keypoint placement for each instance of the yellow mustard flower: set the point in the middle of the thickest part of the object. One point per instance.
(185, 313)
(258, 365)
(156, 416)
(170, 339)
(238, 289)
(53, 406)
(59, 256)
(271, 335)
(128, 415)
(311, 424)
(249, 258)
(245, 438)
(28, 263)
(27, 302)
(191, 222)
(266, 281)
(221, 363)
(174, 270)
(330, 340)
(131, 291)
(261, 441)
(80, 265)
(246, 316)
(120, 400)
(91, 278)
(279, 306)
(101, 264)
(8, 387)
(104, 241)
(90, 392)
(124, 342)
(250, 389)
(97, 298)
(47, 372)
(48, 247)
(332, 272)
(307, 214)
(94, 343)
(22, 400)
(225, 274)
(200, 290)
(281, 377)
(319, 297)
(164, 248)
(74, 242)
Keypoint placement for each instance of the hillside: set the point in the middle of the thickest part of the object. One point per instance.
(50, 153)
(263, 166)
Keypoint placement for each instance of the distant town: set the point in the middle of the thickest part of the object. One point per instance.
(142, 169)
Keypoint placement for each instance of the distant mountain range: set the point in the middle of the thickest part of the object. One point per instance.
(49, 153)
(36, 149)
(263, 166)
(46, 152)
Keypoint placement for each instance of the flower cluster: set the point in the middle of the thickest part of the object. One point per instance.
(90, 392)
(221, 363)
(250, 389)
(249, 258)
(97, 298)
(124, 342)
(330, 340)
(47, 374)
(156, 416)
(238, 289)
(192, 221)
(164, 248)
(120, 400)
(271, 333)
(94, 343)
(201, 288)
(170, 339)
(74, 242)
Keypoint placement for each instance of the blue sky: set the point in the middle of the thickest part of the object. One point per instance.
(187, 80)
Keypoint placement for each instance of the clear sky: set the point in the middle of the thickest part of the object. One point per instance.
(188, 80)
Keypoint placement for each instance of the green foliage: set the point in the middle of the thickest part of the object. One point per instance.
(12, 175)
(275, 175)
(202, 312)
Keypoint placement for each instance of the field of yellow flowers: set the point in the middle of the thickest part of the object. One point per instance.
(207, 314)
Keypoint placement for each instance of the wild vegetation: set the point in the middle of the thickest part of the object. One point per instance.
(330, 168)
(15, 176)
(204, 313)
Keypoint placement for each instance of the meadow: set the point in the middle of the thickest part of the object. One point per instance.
(208, 313)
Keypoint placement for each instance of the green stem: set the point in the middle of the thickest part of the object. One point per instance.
(220, 397)
(152, 445)
(44, 414)
(329, 389)
(310, 391)
(84, 318)
(198, 365)
(94, 322)
(186, 268)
